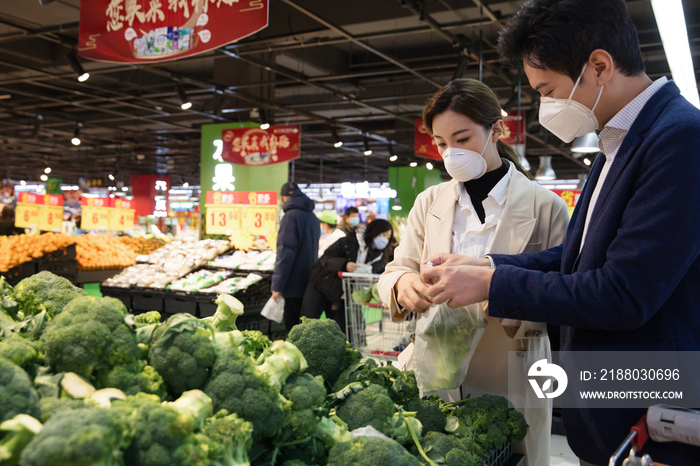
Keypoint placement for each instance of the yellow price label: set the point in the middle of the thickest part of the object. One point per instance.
(260, 220)
(95, 218)
(27, 215)
(121, 219)
(223, 220)
(51, 218)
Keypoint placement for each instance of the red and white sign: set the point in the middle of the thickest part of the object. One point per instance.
(53, 200)
(424, 142)
(149, 31)
(255, 146)
(29, 198)
(227, 198)
(510, 128)
(223, 198)
(95, 202)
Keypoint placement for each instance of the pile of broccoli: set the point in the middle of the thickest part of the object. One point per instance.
(84, 382)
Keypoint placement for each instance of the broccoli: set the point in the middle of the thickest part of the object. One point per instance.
(52, 405)
(517, 425)
(445, 449)
(369, 407)
(182, 352)
(428, 413)
(133, 378)
(15, 434)
(21, 351)
(8, 306)
(237, 386)
(294, 463)
(162, 435)
(332, 431)
(307, 395)
(89, 333)
(194, 404)
(283, 360)
(402, 385)
(311, 452)
(17, 395)
(256, 343)
(370, 451)
(82, 436)
(147, 318)
(323, 345)
(351, 355)
(227, 311)
(45, 291)
(231, 438)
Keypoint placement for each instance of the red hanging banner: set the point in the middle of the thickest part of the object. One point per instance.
(255, 146)
(510, 128)
(149, 31)
(424, 143)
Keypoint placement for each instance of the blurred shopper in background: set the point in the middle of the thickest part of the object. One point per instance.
(350, 220)
(329, 233)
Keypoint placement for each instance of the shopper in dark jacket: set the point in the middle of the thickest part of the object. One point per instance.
(325, 290)
(7, 222)
(350, 221)
(297, 250)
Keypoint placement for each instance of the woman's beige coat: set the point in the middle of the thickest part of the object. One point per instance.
(533, 219)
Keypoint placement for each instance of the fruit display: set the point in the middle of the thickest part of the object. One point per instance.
(16, 250)
(142, 246)
(135, 391)
(101, 251)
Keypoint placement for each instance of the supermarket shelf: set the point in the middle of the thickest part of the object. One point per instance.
(95, 276)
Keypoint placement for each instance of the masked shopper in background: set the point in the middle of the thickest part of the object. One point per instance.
(491, 205)
(329, 231)
(362, 251)
(627, 277)
(350, 221)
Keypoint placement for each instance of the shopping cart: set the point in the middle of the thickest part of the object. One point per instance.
(661, 423)
(369, 326)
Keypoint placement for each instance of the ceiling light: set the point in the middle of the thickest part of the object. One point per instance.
(184, 101)
(185, 184)
(44, 177)
(23, 183)
(397, 204)
(265, 126)
(368, 151)
(336, 140)
(264, 121)
(125, 189)
(429, 166)
(523, 162)
(394, 158)
(111, 177)
(674, 37)
(545, 172)
(47, 170)
(72, 58)
(586, 144)
(76, 134)
(414, 164)
(587, 161)
(504, 113)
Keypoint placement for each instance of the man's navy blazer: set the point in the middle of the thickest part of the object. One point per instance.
(635, 285)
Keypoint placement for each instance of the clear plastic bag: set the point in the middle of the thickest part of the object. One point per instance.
(274, 310)
(445, 343)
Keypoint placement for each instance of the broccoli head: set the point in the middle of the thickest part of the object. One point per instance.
(133, 378)
(147, 318)
(370, 451)
(83, 436)
(89, 333)
(15, 434)
(45, 291)
(445, 449)
(237, 386)
(17, 395)
(21, 351)
(428, 413)
(231, 439)
(307, 395)
(51, 405)
(182, 352)
(323, 345)
(283, 360)
(227, 311)
(517, 426)
(256, 343)
(369, 407)
(402, 385)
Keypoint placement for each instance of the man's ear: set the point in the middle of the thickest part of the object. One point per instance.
(498, 128)
(602, 64)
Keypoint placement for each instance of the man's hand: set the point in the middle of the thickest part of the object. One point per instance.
(277, 295)
(411, 293)
(456, 260)
(350, 267)
(460, 285)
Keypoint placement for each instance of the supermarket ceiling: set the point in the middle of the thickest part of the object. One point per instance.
(365, 66)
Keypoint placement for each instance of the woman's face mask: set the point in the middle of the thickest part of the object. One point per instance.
(380, 243)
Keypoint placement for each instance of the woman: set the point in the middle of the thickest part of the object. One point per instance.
(7, 222)
(491, 205)
(363, 251)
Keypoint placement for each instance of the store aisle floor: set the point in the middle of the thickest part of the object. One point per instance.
(561, 454)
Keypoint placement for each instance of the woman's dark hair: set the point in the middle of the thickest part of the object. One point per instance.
(476, 101)
(8, 214)
(560, 35)
(376, 228)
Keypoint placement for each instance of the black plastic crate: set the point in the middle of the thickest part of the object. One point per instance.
(67, 254)
(257, 322)
(277, 331)
(177, 302)
(122, 294)
(67, 268)
(206, 307)
(144, 300)
(16, 274)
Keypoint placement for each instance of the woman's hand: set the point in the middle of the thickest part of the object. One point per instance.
(350, 267)
(411, 293)
(460, 285)
(455, 260)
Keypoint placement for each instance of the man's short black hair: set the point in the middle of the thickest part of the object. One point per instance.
(351, 210)
(560, 35)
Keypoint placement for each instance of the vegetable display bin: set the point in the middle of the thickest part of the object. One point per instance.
(16, 274)
(67, 254)
(145, 299)
(122, 294)
(206, 307)
(64, 268)
(177, 302)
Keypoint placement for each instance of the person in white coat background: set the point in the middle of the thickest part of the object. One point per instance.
(329, 231)
(491, 205)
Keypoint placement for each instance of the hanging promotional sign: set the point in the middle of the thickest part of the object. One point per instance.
(510, 128)
(570, 196)
(254, 211)
(255, 146)
(51, 215)
(150, 31)
(29, 207)
(424, 143)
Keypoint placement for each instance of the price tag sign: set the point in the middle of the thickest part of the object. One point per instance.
(223, 220)
(95, 218)
(259, 220)
(51, 219)
(121, 219)
(27, 215)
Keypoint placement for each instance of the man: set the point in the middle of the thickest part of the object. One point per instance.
(297, 250)
(350, 221)
(329, 233)
(627, 275)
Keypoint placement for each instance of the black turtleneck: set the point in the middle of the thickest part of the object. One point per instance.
(480, 188)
